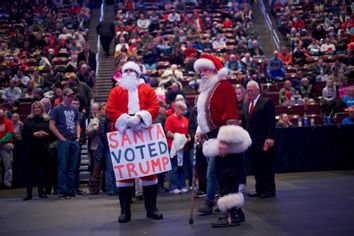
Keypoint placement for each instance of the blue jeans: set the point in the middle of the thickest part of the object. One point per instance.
(68, 161)
(111, 186)
(211, 180)
(176, 175)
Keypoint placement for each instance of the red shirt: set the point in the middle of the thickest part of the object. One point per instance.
(176, 124)
(5, 127)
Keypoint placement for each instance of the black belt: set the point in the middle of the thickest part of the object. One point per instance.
(70, 138)
(211, 134)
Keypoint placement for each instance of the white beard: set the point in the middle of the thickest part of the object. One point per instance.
(129, 82)
(207, 83)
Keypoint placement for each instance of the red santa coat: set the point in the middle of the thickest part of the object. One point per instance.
(121, 103)
(217, 107)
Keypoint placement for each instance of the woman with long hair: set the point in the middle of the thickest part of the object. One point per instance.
(36, 136)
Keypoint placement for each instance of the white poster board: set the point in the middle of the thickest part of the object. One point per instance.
(139, 153)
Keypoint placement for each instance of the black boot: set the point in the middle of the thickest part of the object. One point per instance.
(240, 215)
(41, 193)
(229, 220)
(124, 200)
(150, 195)
(28, 197)
(207, 209)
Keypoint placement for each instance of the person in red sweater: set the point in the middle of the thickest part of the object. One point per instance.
(176, 128)
(6, 147)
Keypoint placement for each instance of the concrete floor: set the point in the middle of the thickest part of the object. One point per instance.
(313, 203)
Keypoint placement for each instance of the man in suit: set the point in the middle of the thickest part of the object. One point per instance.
(87, 56)
(259, 121)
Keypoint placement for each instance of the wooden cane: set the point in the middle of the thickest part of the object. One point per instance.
(191, 221)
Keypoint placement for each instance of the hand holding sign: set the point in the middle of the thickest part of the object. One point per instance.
(133, 121)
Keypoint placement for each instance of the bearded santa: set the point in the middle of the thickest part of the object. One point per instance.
(220, 134)
(133, 105)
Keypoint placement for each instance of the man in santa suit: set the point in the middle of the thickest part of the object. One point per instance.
(222, 139)
(133, 105)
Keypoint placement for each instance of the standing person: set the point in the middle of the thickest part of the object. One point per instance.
(64, 123)
(134, 105)
(6, 147)
(36, 136)
(106, 31)
(259, 120)
(222, 138)
(176, 128)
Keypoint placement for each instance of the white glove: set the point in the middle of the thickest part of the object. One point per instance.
(133, 121)
(138, 127)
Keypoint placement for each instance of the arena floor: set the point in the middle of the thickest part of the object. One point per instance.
(312, 203)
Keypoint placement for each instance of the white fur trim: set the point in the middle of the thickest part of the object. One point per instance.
(230, 201)
(178, 142)
(211, 148)
(148, 182)
(146, 118)
(133, 101)
(203, 63)
(132, 66)
(223, 72)
(238, 139)
(122, 122)
(233, 134)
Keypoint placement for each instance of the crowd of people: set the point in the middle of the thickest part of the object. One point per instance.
(164, 51)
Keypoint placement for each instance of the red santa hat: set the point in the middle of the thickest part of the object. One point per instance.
(210, 62)
(130, 65)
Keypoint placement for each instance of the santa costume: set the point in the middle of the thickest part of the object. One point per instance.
(217, 122)
(134, 105)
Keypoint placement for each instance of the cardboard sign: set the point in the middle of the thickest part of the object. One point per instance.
(139, 153)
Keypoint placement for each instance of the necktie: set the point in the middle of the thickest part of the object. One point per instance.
(251, 109)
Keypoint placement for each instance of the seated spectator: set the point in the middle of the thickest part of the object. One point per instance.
(320, 70)
(122, 45)
(329, 95)
(348, 99)
(298, 23)
(305, 89)
(12, 94)
(275, 59)
(256, 50)
(286, 91)
(171, 94)
(299, 56)
(86, 75)
(328, 48)
(150, 57)
(219, 43)
(319, 33)
(174, 17)
(172, 75)
(142, 22)
(234, 64)
(350, 119)
(285, 56)
(340, 67)
(87, 56)
(276, 73)
(248, 61)
(314, 49)
(227, 23)
(284, 121)
(163, 46)
(338, 79)
(20, 78)
(190, 55)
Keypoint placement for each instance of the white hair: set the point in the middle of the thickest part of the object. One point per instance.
(253, 83)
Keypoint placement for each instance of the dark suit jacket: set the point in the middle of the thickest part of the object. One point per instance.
(91, 59)
(262, 123)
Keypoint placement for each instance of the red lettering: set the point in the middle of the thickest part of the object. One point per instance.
(147, 170)
(131, 169)
(165, 162)
(113, 142)
(119, 168)
(125, 138)
(156, 164)
(138, 135)
(149, 131)
(159, 132)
